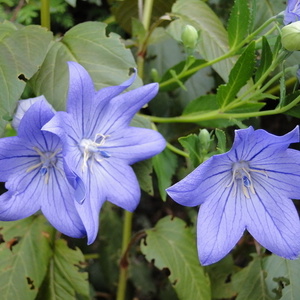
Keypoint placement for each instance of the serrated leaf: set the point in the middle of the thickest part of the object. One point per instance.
(65, 277)
(21, 53)
(24, 257)
(239, 75)
(192, 144)
(104, 57)
(213, 36)
(221, 140)
(250, 282)
(266, 59)
(238, 23)
(164, 164)
(283, 277)
(171, 244)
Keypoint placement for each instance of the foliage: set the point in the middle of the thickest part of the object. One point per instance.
(237, 75)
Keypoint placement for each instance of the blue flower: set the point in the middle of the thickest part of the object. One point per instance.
(248, 188)
(292, 12)
(32, 166)
(100, 145)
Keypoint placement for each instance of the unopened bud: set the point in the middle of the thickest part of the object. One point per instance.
(290, 36)
(189, 37)
(205, 140)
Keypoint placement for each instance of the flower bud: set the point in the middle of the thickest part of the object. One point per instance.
(189, 37)
(205, 140)
(290, 36)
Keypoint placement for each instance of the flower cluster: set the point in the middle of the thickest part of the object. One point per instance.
(67, 164)
(248, 188)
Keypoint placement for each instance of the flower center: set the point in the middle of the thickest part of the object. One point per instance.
(93, 149)
(48, 160)
(241, 176)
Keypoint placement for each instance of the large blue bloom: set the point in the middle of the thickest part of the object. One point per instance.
(100, 145)
(250, 187)
(32, 166)
(292, 12)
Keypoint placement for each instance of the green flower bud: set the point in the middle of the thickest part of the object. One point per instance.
(189, 36)
(290, 36)
(205, 140)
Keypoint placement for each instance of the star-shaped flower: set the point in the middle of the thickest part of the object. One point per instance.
(32, 166)
(292, 12)
(100, 145)
(248, 188)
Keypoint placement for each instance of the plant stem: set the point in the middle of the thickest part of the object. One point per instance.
(45, 14)
(121, 292)
(147, 13)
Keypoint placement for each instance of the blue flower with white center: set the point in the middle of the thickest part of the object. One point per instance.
(292, 12)
(32, 166)
(248, 188)
(100, 145)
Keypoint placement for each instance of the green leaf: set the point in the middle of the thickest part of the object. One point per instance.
(104, 57)
(266, 59)
(238, 23)
(221, 140)
(171, 244)
(213, 36)
(192, 144)
(25, 252)
(219, 275)
(66, 276)
(203, 103)
(239, 75)
(178, 69)
(164, 164)
(21, 53)
(283, 277)
(250, 282)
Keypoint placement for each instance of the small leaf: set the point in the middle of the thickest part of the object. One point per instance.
(266, 59)
(164, 164)
(25, 253)
(66, 276)
(250, 282)
(221, 140)
(203, 103)
(238, 23)
(192, 144)
(239, 75)
(171, 244)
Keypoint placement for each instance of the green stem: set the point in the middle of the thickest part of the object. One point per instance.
(147, 13)
(121, 292)
(229, 54)
(176, 150)
(45, 14)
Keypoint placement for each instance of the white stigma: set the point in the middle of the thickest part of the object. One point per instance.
(93, 149)
(241, 175)
(48, 160)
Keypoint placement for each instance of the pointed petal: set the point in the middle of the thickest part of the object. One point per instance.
(30, 126)
(250, 145)
(134, 144)
(58, 205)
(281, 171)
(200, 185)
(220, 225)
(80, 96)
(89, 209)
(119, 183)
(121, 109)
(15, 156)
(273, 221)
